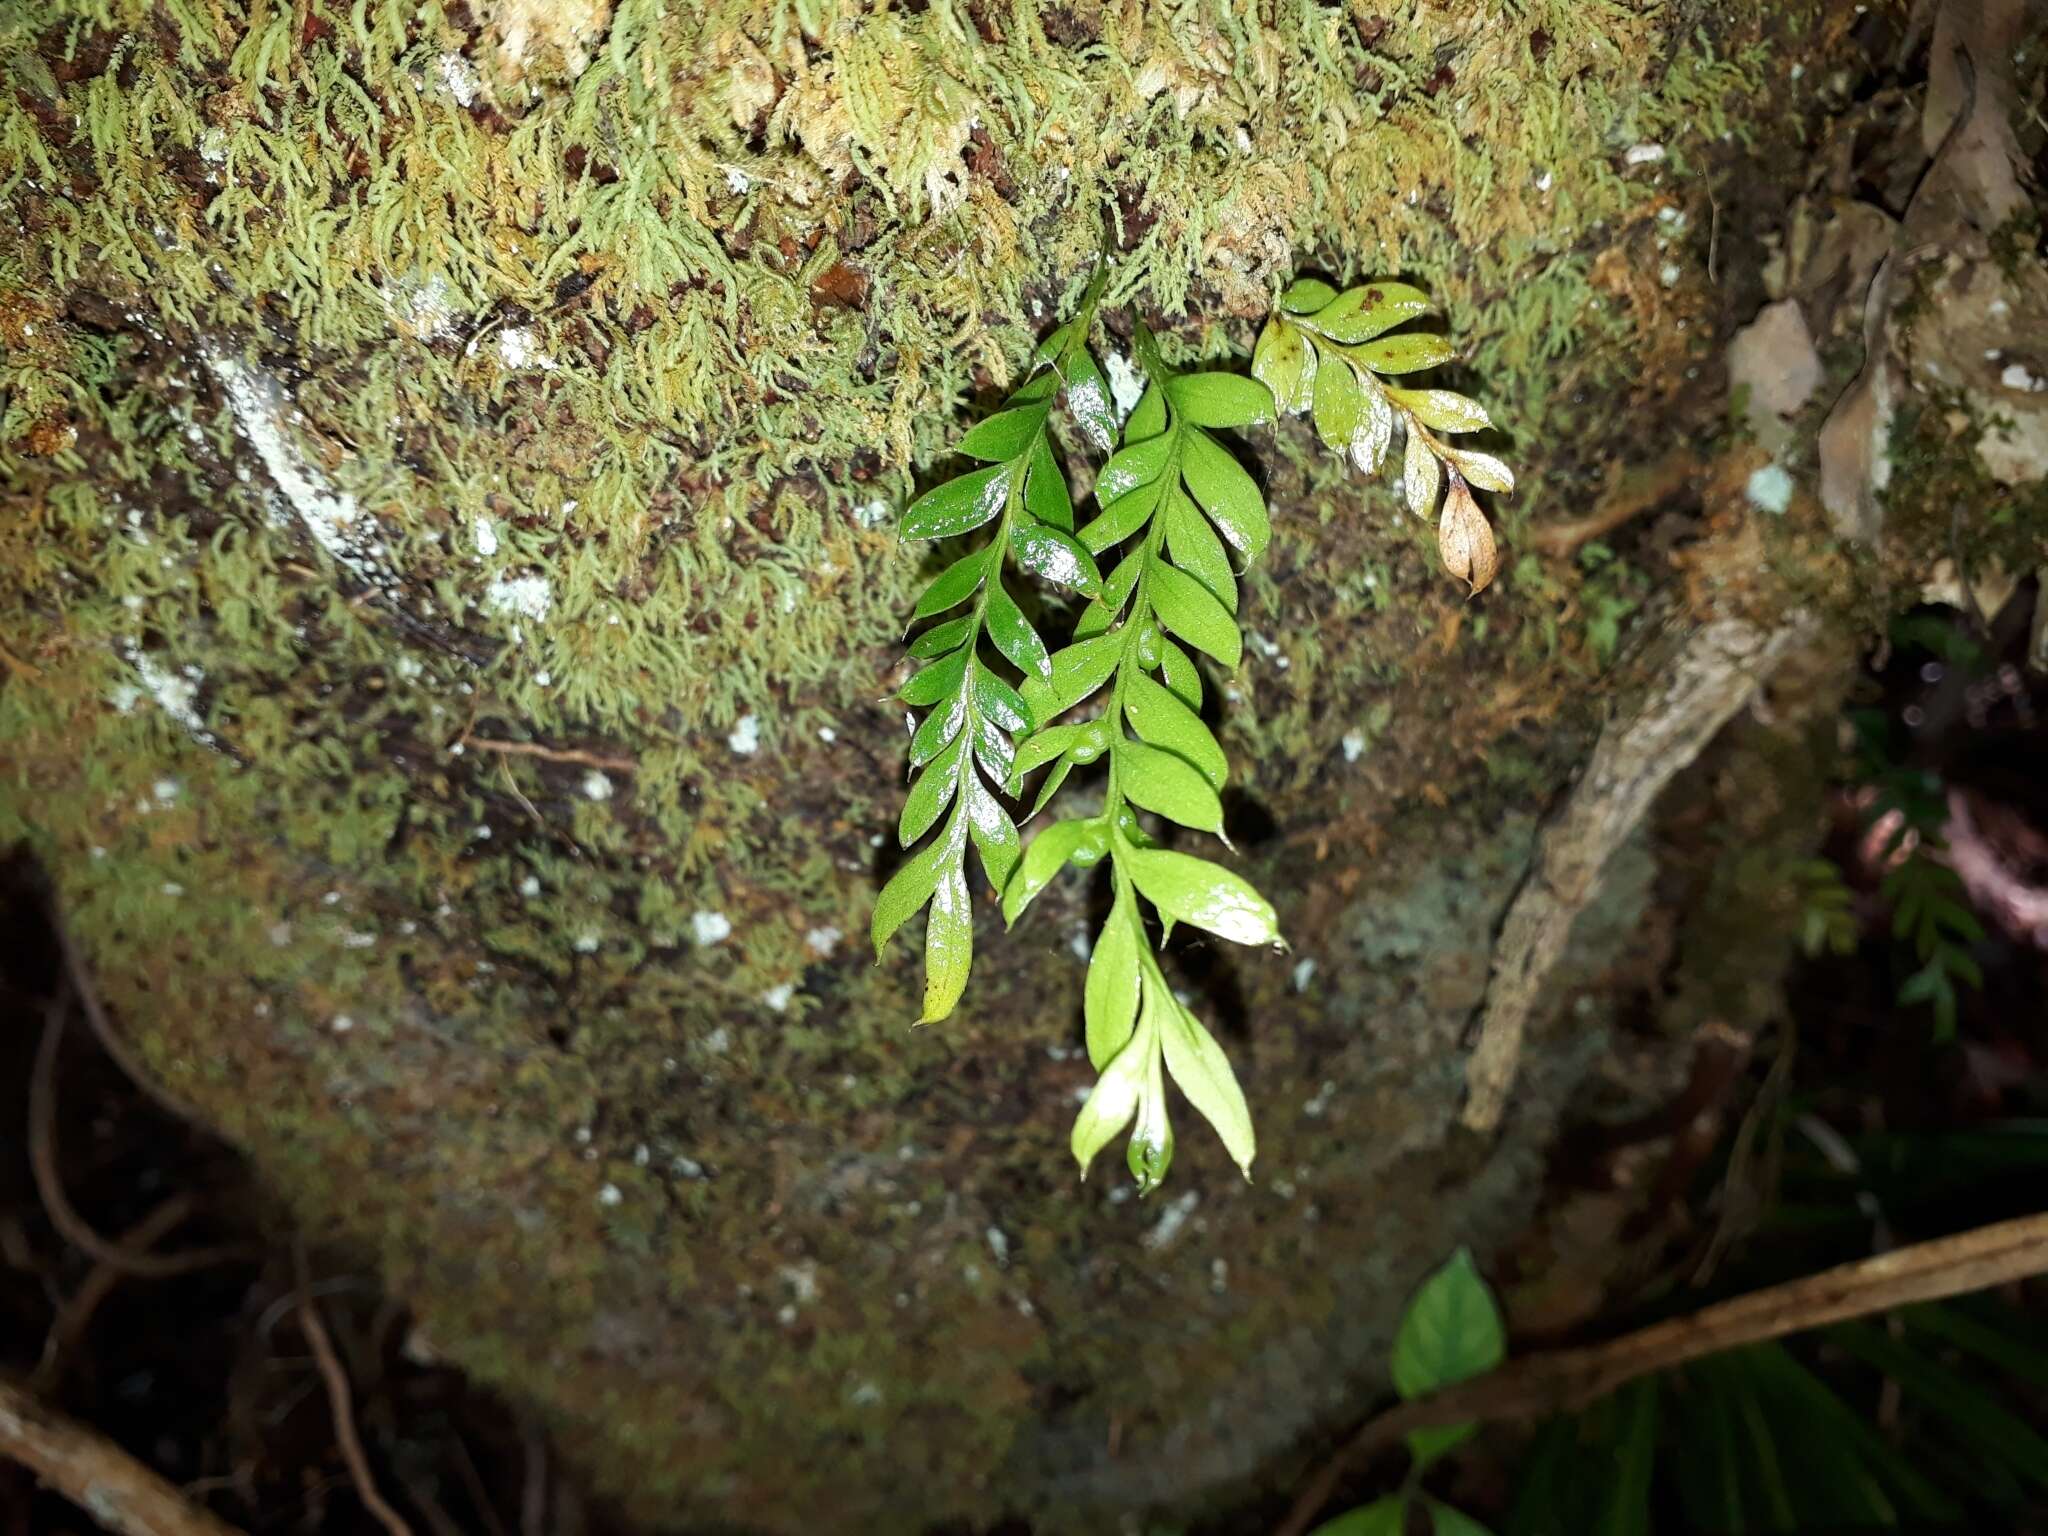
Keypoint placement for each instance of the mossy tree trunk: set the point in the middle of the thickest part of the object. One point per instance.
(451, 458)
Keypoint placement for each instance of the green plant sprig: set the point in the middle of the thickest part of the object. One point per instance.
(1172, 497)
(972, 710)
(1327, 353)
(1178, 512)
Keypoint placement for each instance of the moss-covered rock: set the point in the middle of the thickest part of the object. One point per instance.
(451, 459)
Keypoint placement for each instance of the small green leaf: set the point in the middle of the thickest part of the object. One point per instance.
(1382, 1517)
(1177, 668)
(1200, 1070)
(1014, 636)
(958, 582)
(1052, 554)
(1049, 853)
(1421, 476)
(995, 835)
(1484, 470)
(1137, 464)
(1191, 611)
(941, 638)
(1110, 999)
(1113, 1101)
(1089, 399)
(1164, 721)
(1451, 1332)
(1226, 493)
(1220, 399)
(1443, 409)
(930, 684)
(939, 727)
(1364, 312)
(1077, 671)
(960, 505)
(1406, 354)
(1148, 416)
(1046, 496)
(1278, 361)
(1044, 744)
(1160, 781)
(1202, 894)
(998, 701)
(1196, 549)
(1375, 428)
(913, 884)
(931, 794)
(1123, 517)
(1337, 404)
(948, 945)
(1004, 435)
(1306, 295)
(992, 749)
(1150, 1152)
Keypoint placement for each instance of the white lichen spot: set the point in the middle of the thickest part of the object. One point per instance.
(586, 943)
(865, 1395)
(1126, 384)
(458, 78)
(518, 349)
(485, 533)
(1081, 944)
(355, 938)
(745, 738)
(719, 1041)
(331, 516)
(1769, 489)
(172, 888)
(530, 886)
(408, 669)
(1643, 154)
(777, 998)
(686, 1168)
(802, 1280)
(737, 181)
(1318, 1106)
(610, 1195)
(528, 597)
(872, 514)
(1354, 746)
(1304, 973)
(176, 692)
(213, 146)
(166, 790)
(710, 928)
(827, 735)
(999, 1245)
(822, 941)
(2018, 376)
(342, 1024)
(596, 786)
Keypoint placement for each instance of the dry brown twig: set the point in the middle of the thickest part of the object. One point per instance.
(118, 1491)
(577, 755)
(1561, 1381)
(340, 1403)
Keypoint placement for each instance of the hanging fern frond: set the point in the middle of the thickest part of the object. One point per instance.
(1176, 520)
(1172, 499)
(1329, 353)
(965, 745)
